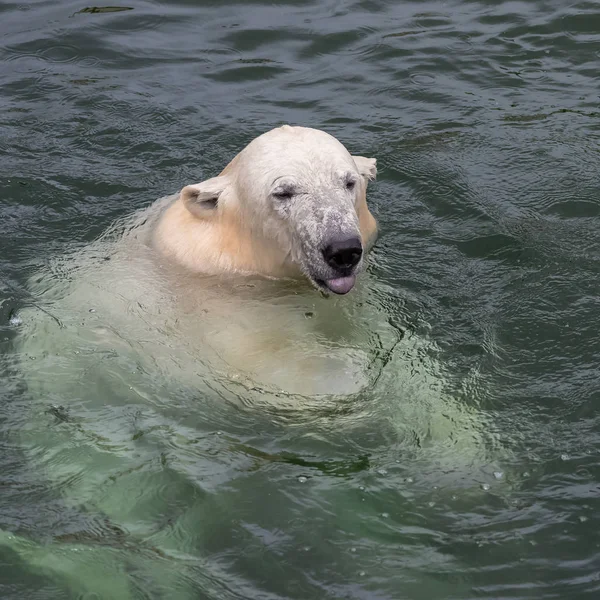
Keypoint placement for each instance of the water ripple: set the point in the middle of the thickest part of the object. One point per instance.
(484, 121)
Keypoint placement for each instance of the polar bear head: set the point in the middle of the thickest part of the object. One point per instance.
(291, 202)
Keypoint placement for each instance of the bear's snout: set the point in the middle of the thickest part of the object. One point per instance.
(343, 254)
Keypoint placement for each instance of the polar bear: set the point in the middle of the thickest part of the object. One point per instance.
(198, 316)
(290, 207)
(205, 288)
(292, 202)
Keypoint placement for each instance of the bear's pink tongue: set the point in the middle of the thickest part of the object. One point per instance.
(341, 285)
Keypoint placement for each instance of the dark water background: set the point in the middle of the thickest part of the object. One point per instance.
(485, 120)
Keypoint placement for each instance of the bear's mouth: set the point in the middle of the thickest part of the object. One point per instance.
(338, 285)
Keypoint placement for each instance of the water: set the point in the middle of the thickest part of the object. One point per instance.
(479, 480)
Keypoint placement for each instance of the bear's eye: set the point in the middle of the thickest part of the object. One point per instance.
(283, 194)
(350, 184)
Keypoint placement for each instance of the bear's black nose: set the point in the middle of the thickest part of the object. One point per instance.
(343, 254)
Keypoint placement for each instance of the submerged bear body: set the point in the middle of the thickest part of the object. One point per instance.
(208, 335)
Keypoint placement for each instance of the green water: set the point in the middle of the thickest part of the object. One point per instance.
(471, 466)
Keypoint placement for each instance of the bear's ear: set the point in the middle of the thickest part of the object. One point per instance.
(367, 167)
(202, 199)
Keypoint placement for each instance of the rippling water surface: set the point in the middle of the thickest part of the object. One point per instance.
(485, 120)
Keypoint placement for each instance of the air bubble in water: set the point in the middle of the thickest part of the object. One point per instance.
(302, 479)
(485, 487)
